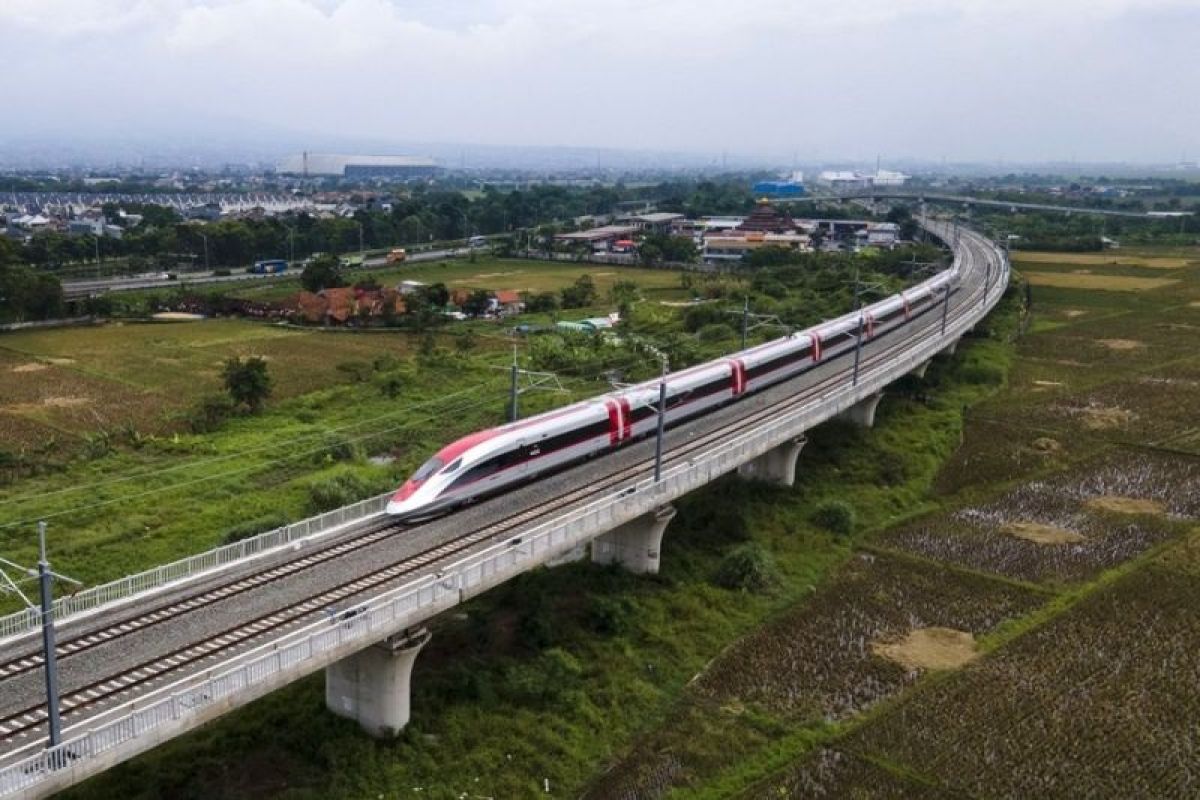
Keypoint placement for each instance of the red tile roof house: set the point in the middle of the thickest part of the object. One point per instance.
(339, 306)
(509, 302)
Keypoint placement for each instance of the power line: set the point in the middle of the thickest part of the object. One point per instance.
(240, 454)
(247, 469)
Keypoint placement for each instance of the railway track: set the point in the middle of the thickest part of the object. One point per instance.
(24, 723)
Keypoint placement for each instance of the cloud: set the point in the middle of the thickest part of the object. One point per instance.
(962, 78)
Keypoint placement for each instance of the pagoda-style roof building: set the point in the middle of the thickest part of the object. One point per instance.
(766, 219)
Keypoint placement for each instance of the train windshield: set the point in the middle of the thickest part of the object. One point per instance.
(428, 468)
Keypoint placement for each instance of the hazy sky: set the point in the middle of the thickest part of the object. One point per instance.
(960, 79)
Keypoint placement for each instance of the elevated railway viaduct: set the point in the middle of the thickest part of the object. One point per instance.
(148, 658)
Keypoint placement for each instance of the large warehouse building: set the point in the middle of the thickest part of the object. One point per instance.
(329, 165)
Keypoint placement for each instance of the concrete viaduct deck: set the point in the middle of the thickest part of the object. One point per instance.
(181, 646)
(922, 198)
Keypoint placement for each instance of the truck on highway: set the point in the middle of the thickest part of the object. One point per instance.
(271, 266)
(396, 255)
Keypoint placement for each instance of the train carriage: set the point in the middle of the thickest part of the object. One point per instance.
(488, 462)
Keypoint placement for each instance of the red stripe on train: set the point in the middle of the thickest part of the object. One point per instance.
(614, 421)
(739, 377)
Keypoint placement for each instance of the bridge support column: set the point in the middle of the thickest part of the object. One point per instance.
(920, 371)
(373, 685)
(951, 348)
(634, 545)
(777, 466)
(863, 412)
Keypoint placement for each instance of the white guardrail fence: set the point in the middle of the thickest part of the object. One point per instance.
(29, 620)
(153, 718)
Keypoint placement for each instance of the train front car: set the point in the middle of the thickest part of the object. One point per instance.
(495, 460)
(422, 494)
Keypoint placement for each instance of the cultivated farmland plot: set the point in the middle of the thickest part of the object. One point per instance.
(838, 774)
(1102, 702)
(818, 664)
(1068, 527)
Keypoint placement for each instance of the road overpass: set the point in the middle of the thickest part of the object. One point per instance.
(922, 198)
(148, 658)
(98, 286)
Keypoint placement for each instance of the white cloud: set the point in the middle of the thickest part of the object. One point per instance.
(926, 77)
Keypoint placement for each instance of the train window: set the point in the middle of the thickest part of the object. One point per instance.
(428, 468)
(457, 463)
(479, 471)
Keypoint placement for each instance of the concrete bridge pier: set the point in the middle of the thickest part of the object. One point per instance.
(951, 348)
(634, 545)
(920, 371)
(373, 686)
(863, 412)
(777, 466)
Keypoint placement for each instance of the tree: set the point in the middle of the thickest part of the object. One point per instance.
(477, 304)
(624, 293)
(661, 247)
(248, 382)
(541, 301)
(580, 294)
(323, 272)
(28, 294)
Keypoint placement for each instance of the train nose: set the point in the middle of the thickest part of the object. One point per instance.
(402, 502)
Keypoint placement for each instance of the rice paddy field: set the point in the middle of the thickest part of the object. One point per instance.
(1028, 639)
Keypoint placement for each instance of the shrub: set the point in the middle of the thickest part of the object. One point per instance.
(554, 673)
(716, 332)
(210, 412)
(340, 490)
(248, 382)
(893, 468)
(609, 615)
(747, 567)
(390, 386)
(982, 374)
(356, 371)
(253, 527)
(337, 447)
(385, 363)
(836, 516)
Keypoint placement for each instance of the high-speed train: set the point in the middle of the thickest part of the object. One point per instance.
(490, 461)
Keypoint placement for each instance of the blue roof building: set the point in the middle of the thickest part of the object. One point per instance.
(779, 189)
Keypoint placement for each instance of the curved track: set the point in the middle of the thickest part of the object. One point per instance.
(17, 727)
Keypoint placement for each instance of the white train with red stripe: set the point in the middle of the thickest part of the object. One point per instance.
(491, 461)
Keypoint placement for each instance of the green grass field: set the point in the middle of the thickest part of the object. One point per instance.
(494, 274)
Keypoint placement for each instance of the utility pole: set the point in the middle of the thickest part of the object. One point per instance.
(945, 307)
(858, 293)
(45, 577)
(536, 380)
(514, 393)
(662, 418)
(859, 330)
(205, 238)
(745, 320)
(50, 656)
